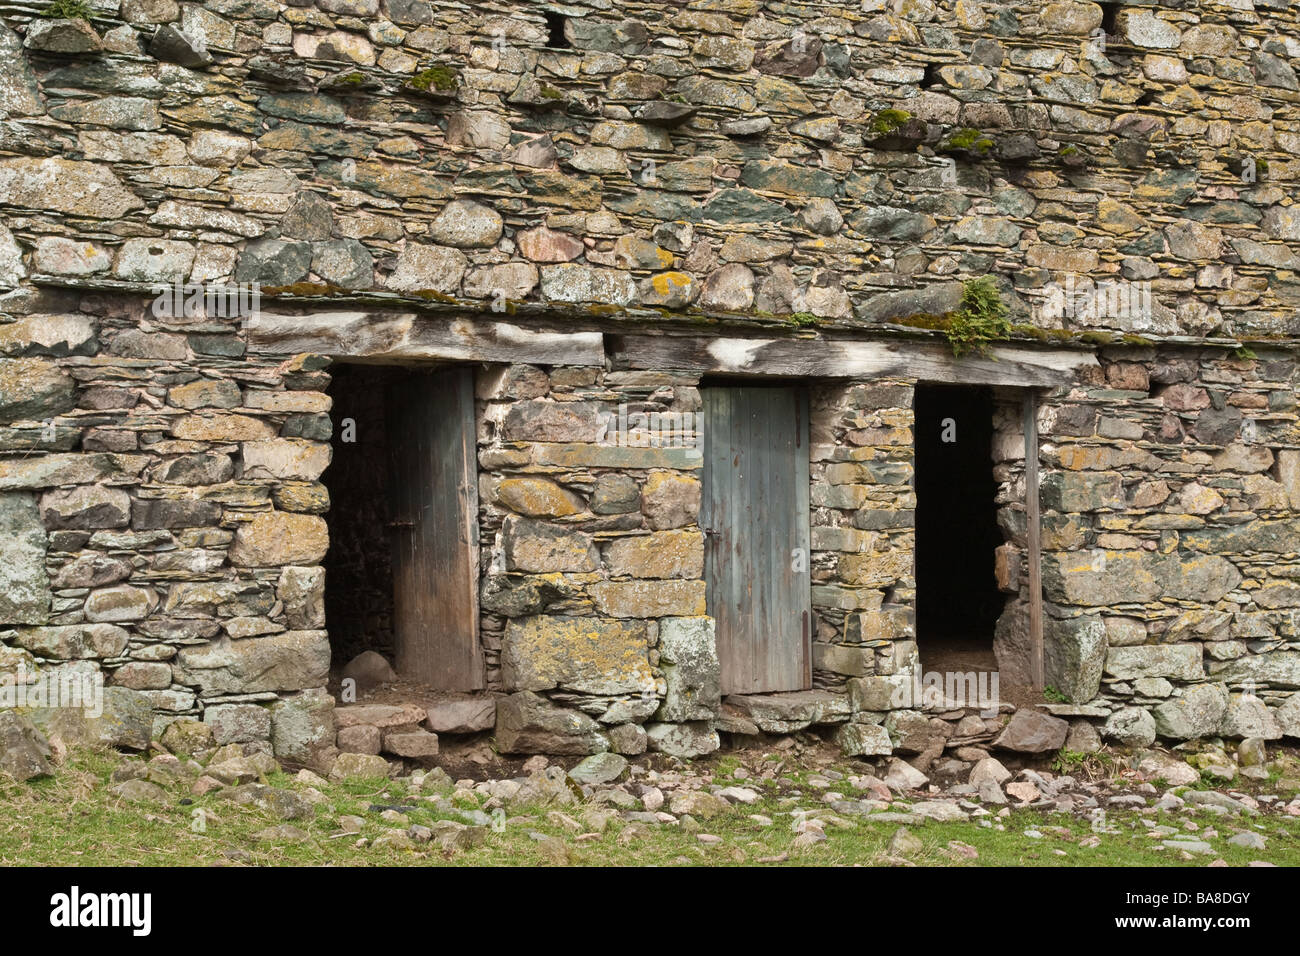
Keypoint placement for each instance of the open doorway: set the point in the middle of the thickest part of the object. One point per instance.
(402, 568)
(958, 601)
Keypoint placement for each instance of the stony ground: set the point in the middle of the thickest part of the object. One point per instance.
(802, 805)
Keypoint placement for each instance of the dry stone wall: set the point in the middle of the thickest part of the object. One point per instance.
(725, 156)
(808, 168)
(1170, 538)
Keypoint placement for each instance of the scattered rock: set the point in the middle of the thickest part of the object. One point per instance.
(599, 769)
(1032, 731)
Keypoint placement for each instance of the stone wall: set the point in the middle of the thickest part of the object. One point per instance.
(1170, 500)
(808, 169)
(731, 156)
(163, 513)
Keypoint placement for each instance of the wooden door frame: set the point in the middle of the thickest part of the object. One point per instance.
(1033, 536)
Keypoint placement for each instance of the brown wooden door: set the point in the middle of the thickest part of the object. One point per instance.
(435, 529)
(754, 511)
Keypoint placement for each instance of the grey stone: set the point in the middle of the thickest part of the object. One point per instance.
(238, 723)
(688, 740)
(281, 804)
(466, 224)
(628, 739)
(1273, 71)
(62, 36)
(302, 729)
(310, 217)
(1199, 712)
(461, 713)
(863, 740)
(411, 744)
(883, 223)
(1032, 731)
(175, 46)
(302, 590)
(351, 766)
(1288, 716)
(572, 282)
(1074, 652)
(274, 262)
(599, 769)
(24, 751)
(20, 93)
(1275, 669)
(345, 263)
(728, 289)
(69, 642)
(528, 723)
(1174, 771)
(124, 718)
(1177, 661)
(293, 660)
(24, 583)
(1248, 839)
(788, 712)
(688, 657)
(33, 389)
(426, 268)
(1083, 738)
(900, 776)
(989, 769)
(369, 669)
(138, 791)
(615, 494)
(1249, 717)
(67, 186)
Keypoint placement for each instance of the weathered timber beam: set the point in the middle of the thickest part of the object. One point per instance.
(831, 358)
(377, 337)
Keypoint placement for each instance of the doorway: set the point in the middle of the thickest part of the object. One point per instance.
(402, 569)
(957, 535)
(755, 518)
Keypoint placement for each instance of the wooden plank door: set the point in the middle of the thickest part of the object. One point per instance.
(434, 491)
(754, 511)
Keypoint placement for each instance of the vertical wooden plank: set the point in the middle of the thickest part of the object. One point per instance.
(435, 541)
(802, 583)
(760, 524)
(739, 543)
(1034, 539)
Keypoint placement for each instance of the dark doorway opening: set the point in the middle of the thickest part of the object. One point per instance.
(957, 534)
(401, 574)
(359, 567)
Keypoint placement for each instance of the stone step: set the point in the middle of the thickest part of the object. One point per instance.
(411, 743)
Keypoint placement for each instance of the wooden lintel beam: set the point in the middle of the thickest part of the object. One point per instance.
(379, 336)
(835, 358)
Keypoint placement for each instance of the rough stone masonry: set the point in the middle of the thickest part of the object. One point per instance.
(814, 175)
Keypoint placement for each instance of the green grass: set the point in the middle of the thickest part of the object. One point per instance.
(71, 819)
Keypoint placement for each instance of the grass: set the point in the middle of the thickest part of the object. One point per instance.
(71, 819)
